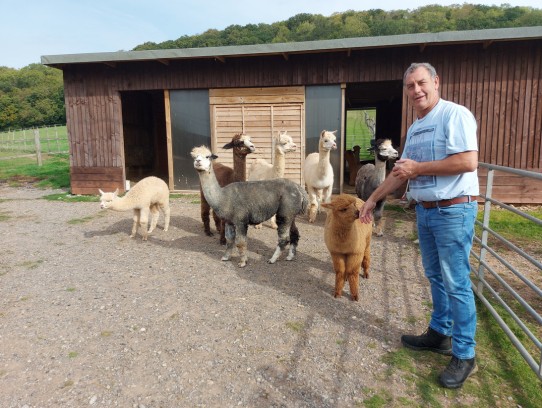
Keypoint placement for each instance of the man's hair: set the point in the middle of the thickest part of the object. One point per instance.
(415, 65)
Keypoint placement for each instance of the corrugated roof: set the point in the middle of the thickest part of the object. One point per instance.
(221, 53)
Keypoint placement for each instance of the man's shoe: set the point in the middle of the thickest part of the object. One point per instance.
(431, 340)
(457, 372)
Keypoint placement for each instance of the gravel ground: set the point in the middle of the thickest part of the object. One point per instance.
(91, 317)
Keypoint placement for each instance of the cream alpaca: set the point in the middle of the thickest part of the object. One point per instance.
(149, 195)
(318, 173)
(262, 170)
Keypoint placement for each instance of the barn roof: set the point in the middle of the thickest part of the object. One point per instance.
(486, 37)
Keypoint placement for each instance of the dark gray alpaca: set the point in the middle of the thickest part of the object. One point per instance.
(247, 203)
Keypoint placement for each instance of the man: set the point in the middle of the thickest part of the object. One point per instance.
(440, 159)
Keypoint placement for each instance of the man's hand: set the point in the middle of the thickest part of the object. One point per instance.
(366, 211)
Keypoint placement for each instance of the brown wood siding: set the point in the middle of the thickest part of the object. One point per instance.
(500, 84)
(87, 180)
(260, 113)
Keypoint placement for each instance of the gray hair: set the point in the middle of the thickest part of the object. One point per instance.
(415, 65)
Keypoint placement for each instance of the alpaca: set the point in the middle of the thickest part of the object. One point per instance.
(318, 173)
(149, 195)
(262, 170)
(348, 242)
(241, 146)
(352, 158)
(370, 176)
(249, 203)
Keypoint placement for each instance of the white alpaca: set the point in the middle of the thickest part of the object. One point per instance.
(262, 170)
(149, 195)
(318, 173)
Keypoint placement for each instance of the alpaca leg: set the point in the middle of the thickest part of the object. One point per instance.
(326, 194)
(136, 218)
(294, 239)
(284, 238)
(219, 223)
(379, 209)
(230, 239)
(274, 222)
(241, 244)
(205, 210)
(167, 214)
(222, 231)
(339, 267)
(143, 221)
(352, 274)
(313, 203)
(366, 262)
(155, 213)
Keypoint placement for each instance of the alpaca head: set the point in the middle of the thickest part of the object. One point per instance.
(203, 158)
(344, 209)
(107, 198)
(384, 150)
(241, 145)
(285, 143)
(328, 140)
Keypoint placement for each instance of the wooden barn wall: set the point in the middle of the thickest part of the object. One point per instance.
(501, 84)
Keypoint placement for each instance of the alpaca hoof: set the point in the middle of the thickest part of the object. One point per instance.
(225, 258)
(379, 234)
(354, 298)
(337, 295)
(271, 261)
(223, 242)
(165, 229)
(242, 264)
(209, 233)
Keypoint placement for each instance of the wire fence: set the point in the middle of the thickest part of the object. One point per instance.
(33, 142)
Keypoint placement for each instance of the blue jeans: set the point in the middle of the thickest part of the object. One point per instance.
(445, 235)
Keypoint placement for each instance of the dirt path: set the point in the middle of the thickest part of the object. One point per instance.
(90, 317)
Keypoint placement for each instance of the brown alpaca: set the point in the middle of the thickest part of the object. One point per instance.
(352, 158)
(241, 146)
(348, 241)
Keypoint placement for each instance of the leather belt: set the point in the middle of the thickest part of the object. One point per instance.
(447, 203)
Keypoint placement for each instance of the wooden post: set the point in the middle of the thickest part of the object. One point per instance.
(38, 146)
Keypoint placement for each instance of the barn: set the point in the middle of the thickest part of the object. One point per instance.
(139, 113)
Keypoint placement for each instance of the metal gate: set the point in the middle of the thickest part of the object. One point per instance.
(506, 281)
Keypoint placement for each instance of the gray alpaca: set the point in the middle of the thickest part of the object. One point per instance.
(247, 203)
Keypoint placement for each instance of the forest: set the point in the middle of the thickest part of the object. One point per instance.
(33, 95)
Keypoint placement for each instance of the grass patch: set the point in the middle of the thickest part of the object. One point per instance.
(503, 377)
(295, 326)
(54, 173)
(72, 354)
(75, 221)
(4, 216)
(31, 264)
(69, 198)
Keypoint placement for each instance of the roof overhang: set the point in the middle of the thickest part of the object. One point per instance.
(423, 40)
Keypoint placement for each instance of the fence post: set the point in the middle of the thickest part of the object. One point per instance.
(38, 145)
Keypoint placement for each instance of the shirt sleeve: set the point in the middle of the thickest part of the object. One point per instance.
(460, 130)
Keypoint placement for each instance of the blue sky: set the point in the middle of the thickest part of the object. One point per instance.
(32, 28)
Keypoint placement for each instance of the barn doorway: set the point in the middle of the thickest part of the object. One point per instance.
(144, 130)
(373, 111)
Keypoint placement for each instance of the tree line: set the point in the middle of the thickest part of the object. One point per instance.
(34, 95)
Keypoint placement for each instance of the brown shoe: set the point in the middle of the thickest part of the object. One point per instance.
(430, 340)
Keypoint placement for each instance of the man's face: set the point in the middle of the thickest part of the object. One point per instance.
(422, 90)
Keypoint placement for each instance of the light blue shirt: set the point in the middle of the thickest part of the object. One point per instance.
(447, 129)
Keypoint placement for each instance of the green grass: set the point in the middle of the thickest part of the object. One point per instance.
(357, 132)
(54, 173)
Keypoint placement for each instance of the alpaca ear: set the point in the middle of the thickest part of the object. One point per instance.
(228, 146)
(328, 206)
(116, 192)
(101, 192)
(213, 157)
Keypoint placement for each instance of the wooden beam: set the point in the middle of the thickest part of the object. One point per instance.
(163, 61)
(110, 64)
(285, 56)
(487, 44)
(220, 58)
(422, 47)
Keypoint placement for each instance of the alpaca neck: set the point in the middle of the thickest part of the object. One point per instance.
(122, 204)
(278, 164)
(211, 188)
(323, 162)
(380, 170)
(239, 167)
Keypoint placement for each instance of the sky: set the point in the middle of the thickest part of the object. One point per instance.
(32, 28)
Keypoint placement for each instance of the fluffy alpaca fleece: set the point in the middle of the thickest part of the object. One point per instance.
(241, 146)
(348, 241)
(370, 176)
(262, 170)
(150, 195)
(318, 173)
(251, 202)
